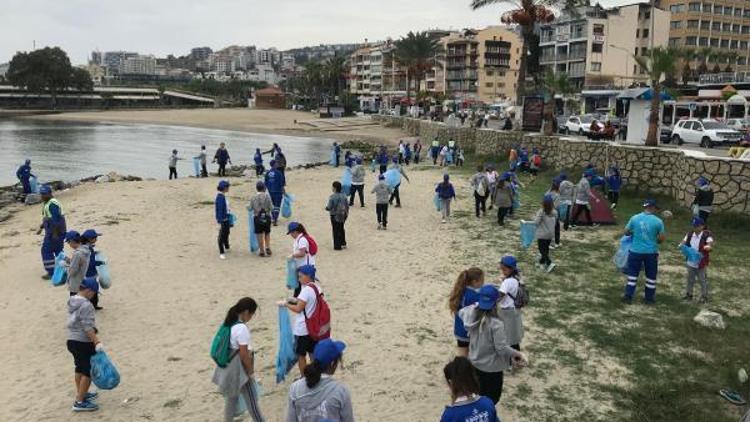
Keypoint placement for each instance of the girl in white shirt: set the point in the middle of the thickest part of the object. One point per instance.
(304, 304)
(508, 313)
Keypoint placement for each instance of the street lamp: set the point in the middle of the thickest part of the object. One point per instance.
(627, 57)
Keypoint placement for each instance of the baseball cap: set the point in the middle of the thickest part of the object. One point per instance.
(45, 190)
(90, 234)
(90, 284)
(509, 261)
(292, 227)
(327, 351)
(697, 221)
(650, 203)
(308, 270)
(223, 184)
(548, 198)
(72, 236)
(381, 177)
(488, 296)
(702, 181)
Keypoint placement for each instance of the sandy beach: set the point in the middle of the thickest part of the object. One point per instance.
(240, 119)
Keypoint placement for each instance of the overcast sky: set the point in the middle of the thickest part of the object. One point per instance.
(161, 27)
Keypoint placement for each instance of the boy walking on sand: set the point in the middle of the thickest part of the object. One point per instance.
(382, 192)
(701, 240)
(173, 164)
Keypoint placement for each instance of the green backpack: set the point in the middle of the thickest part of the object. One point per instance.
(221, 352)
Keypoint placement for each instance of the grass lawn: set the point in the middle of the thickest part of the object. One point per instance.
(594, 358)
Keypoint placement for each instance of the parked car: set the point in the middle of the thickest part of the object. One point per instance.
(705, 133)
(743, 125)
(579, 124)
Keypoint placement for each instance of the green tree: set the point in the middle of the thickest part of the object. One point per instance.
(659, 64)
(688, 56)
(46, 70)
(335, 70)
(704, 55)
(553, 84)
(418, 52)
(732, 57)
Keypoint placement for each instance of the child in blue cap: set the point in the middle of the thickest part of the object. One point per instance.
(318, 396)
(221, 206)
(546, 221)
(701, 240)
(466, 402)
(382, 193)
(83, 342)
(446, 193)
(509, 290)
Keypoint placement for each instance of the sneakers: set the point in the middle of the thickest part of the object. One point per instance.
(444, 221)
(385, 227)
(84, 406)
(613, 206)
(46, 277)
(551, 267)
(91, 396)
(222, 256)
(627, 300)
(268, 252)
(649, 302)
(732, 396)
(380, 226)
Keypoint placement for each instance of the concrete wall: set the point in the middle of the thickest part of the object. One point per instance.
(665, 171)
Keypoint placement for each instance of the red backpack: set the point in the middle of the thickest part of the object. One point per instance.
(319, 323)
(313, 245)
(537, 160)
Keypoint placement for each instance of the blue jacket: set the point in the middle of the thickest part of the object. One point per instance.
(275, 181)
(221, 208)
(222, 156)
(24, 172)
(91, 271)
(470, 297)
(478, 409)
(445, 190)
(383, 158)
(258, 159)
(614, 182)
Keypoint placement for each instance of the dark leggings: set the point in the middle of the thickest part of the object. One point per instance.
(585, 209)
(544, 250)
(501, 213)
(613, 196)
(354, 190)
(557, 231)
(568, 210)
(395, 195)
(224, 237)
(222, 170)
(339, 234)
(172, 172)
(490, 384)
(480, 202)
(382, 212)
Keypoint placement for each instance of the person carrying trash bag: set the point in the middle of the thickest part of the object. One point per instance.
(304, 248)
(83, 342)
(276, 185)
(53, 224)
(24, 175)
(545, 221)
(260, 208)
(233, 353)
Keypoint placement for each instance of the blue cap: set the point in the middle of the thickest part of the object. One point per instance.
(563, 176)
(90, 234)
(697, 221)
(308, 270)
(359, 160)
(89, 284)
(72, 236)
(702, 181)
(292, 227)
(45, 190)
(650, 203)
(509, 261)
(381, 177)
(488, 296)
(28, 161)
(223, 184)
(548, 198)
(327, 351)
(395, 159)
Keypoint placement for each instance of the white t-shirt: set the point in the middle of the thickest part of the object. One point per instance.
(508, 287)
(695, 242)
(299, 243)
(240, 335)
(307, 294)
(492, 176)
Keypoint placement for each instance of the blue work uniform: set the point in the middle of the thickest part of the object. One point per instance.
(24, 175)
(643, 253)
(53, 223)
(275, 183)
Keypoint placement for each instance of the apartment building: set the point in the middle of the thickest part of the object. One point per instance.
(375, 76)
(482, 65)
(720, 25)
(594, 46)
(139, 65)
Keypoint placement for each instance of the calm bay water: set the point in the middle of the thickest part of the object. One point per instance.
(71, 151)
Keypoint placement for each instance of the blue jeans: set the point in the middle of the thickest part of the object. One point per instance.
(650, 263)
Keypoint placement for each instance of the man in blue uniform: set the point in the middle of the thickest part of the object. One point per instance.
(222, 158)
(53, 224)
(647, 231)
(275, 183)
(24, 175)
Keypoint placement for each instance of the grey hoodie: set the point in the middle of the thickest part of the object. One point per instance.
(79, 263)
(382, 192)
(545, 225)
(583, 191)
(80, 318)
(567, 189)
(358, 174)
(329, 399)
(488, 348)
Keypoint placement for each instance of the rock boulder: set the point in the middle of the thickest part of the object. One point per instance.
(710, 319)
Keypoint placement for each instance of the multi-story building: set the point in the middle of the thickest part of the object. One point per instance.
(723, 25)
(96, 58)
(594, 46)
(113, 60)
(200, 53)
(375, 76)
(139, 65)
(461, 65)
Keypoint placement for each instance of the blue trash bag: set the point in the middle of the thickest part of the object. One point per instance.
(373, 166)
(232, 219)
(597, 181)
(438, 202)
(197, 166)
(105, 280)
(562, 212)
(449, 157)
(516, 202)
(392, 178)
(346, 180)
(286, 205)
(34, 184)
(528, 233)
(621, 256)
(332, 161)
(286, 359)
(692, 256)
(251, 231)
(103, 372)
(291, 275)
(60, 275)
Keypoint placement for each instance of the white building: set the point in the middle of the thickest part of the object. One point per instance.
(139, 65)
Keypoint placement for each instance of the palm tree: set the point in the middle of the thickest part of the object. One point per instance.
(335, 70)
(528, 14)
(418, 53)
(704, 54)
(732, 57)
(688, 56)
(554, 83)
(660, 63)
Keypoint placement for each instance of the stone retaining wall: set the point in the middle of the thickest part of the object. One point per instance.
(665, 171)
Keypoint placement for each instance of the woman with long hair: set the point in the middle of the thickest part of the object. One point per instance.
(465, 292)
(466, 403)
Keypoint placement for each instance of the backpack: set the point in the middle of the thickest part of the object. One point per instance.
(341, 211)
(221, 352)
(319, 323)
(522, 296)
(264, 218)
(313, 245)
(537, 160)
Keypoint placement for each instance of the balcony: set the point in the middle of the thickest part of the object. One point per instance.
(576, 73)
(577, 55)
(598, 39)
(724, 78)
(564, 37)
(547, 58)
